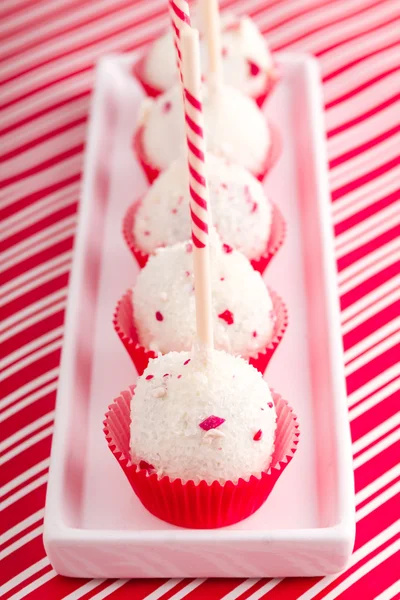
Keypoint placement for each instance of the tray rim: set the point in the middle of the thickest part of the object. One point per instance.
(342, 531)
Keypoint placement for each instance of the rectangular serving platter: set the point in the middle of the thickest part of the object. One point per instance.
(94, 524)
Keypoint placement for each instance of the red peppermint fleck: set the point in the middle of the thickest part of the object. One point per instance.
(270, 404)
(167, 107)
(262, 408)
(180, 199)
(226, 248)
(166, 375)
(224, 51)
(174, 211)
(257, 436)
(149, 377)
(187, 273)
(147, 232)
(227, 316)
(224, 186)
(159, 316)
(254, 334)
(179, 376)
(187, 361)
(253, 68)
(212, 422)
(189, 247)
(145, 465)
(222, 278)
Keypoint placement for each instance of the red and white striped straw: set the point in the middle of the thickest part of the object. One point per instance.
(199, 197)
(179, 13)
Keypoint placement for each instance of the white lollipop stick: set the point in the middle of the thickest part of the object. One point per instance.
(213, 35)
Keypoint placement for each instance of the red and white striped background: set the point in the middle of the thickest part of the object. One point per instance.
(48, 50)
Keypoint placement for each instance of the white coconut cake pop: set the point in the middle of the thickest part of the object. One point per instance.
(247, 62)
(241, 212)
(235, 128)
(202, 417)
(164, 301)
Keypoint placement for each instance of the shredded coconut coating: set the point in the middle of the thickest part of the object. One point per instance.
(241, 211)
(164, 301)
(247, 62)
(234, 128)
(214, 387)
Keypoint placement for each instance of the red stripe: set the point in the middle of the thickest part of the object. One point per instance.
(369, 285)
(179, 13)
(30, 413)
(213, 589)
(193, 126)
(361, 87)
(372, 369)
(367, 212)
(375, 580)
(194, 150)
(199, 178)
(200, 224)
(193, 101)
(385, 409)
(197, 242)
(198, 199)
(369, 326)
(356, 61)
(363, 179)
(378, 440)
(367, 248)
(385, 135)
(369, 113)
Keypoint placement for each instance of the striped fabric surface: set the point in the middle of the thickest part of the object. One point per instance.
(48, 51)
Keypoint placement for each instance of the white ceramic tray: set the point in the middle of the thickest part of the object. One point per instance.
(94, 525)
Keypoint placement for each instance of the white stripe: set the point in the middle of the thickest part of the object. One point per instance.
(358, 555)
(363, 163)
(33, 12)
(38, 210)
(39, 315)
(368, 356)
(33, 586)
(375, 433)
(163, 589)
(240, 589)
(378, 501)
(69, 42)
(21, 542)
(373, 384)
(39, 241)
(108, 590)
(34, 345)
(363, 570)
(28, 474)
(38, 566)
(85, 589)
(379, 483)
(390, 592)
(24, 491)
(43, 151)
(359, 271)
(376, 449)
(24, 431)
(59, 117)
(30, 359)
(371, 340)
(374, 303)
(27, 444)
(382, 394)
(22, 525)
(363, 196)
(366, 70)
(267, 587)
(187, 589)
(28, 387)
(52, 387)
(371, 228)
(33, 278)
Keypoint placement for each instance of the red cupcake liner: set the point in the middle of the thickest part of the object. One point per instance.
(153, 92)
(151, 172)
(275, 241)
(272, 80)
(124, 325)
(199, 506)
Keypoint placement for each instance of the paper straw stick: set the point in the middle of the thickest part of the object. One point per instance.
(180, 14)
(199, 197)
(213, 35)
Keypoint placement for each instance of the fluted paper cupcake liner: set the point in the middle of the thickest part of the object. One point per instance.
(152, 172)
(275, 241)
(124, 325)
(201, 505)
